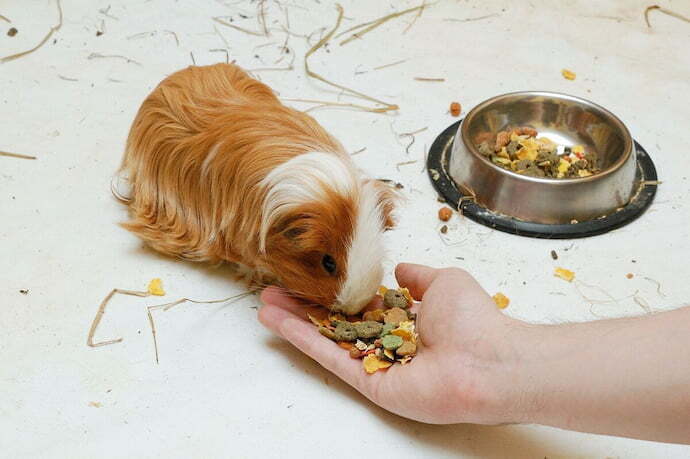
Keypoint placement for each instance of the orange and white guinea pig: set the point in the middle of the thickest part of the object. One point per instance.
(218, 169)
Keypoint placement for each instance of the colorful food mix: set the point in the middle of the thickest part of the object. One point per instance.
(521, 151)
(380, 337)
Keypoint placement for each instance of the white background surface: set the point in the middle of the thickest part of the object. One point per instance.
(224, 386)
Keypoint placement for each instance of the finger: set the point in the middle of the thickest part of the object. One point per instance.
(417, 278)
(305, 337)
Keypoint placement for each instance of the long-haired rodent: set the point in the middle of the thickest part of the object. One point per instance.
(220, 170)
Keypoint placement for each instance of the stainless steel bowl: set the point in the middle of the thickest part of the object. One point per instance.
(567, 120)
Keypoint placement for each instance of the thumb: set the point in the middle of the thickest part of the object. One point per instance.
(417, 278)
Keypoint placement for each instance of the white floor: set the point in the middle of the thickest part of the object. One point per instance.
(224, 386)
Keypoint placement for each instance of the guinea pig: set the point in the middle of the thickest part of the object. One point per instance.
(220, 170)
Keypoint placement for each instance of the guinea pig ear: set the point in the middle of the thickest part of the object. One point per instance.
(389, 198)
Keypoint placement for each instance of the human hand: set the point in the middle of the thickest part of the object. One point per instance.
(462, 369)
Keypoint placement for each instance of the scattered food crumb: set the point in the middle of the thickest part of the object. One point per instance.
(12, 32)
(564, 274)
(630, 275)
(156, 287)
(24, 291)
(434, 174)
(501, 300)
(455, 109)
(554, 255)
(444, 214)
(95, 404)
(444, 229)
(568, 74)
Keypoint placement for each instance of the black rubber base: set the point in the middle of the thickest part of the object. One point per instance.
(437, 167)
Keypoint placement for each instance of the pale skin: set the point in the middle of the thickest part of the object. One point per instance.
(626, 377)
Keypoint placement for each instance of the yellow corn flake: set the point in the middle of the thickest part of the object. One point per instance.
(501, 300)
(382, 290)
(577, 149)
(563, 167)
(406, 293)
(503, 153)
(404, 334)
(388, 353)
(584, 173)
(568, 74)
(564, 274)
(501, 160)
(156, 287)
(372, 364)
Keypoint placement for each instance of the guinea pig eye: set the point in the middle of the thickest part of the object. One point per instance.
(329, 264)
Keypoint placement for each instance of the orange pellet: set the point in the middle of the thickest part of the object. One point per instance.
(444, 214)
(455, 108)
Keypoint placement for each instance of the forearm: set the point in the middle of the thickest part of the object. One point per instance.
(626, 377)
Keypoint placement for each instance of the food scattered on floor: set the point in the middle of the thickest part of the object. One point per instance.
(501, 300)
(380, 337)
(12, 32)
(156, 287)
(24, 291)
(568, 74)
(630, 275)
(521, 150)
(554, 255)
(564, 274)
(444, 229)
(95, 404)
(455, 109)
(444, 214)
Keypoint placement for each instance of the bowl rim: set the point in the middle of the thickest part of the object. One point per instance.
(627, 138)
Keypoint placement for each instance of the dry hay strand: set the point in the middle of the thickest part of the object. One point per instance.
(241, 29)
(371, 25)
(16, 155)
(101, 311)
(50, 33)
(435, 80)
(5, 18)
(412, 136)
(325, 103)
(662, 10)
(386, 106)
(167, 306)
(112, 56)
(390, 65)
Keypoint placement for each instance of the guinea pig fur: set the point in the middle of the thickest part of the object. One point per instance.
(220, 170)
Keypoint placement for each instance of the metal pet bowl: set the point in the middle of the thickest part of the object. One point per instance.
(537, 206)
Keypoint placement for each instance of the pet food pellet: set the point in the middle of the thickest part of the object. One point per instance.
(407, 348)
(368, 329)
(361, 345)
(387, 328)
(391, 342)
(372, 364)
(345, 331)
(388, 355)
(394, 316)
(444, 229)
(455, 108)
(375, 315)
(395, 299)
(404, 334)
(355, 353)
(630, 275)
(568, 74)
(12, 32)
(564, 274)
(327, 332)
(554, 255)
(156, 287)
(501, 300)
(444, 214)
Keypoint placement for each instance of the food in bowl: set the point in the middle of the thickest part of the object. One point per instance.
(523, 151)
